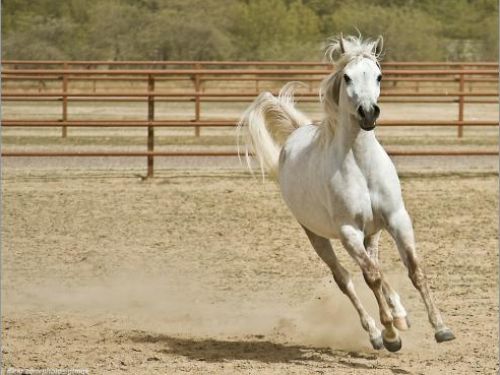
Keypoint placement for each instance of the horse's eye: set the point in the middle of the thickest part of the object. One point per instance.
(347, 79)
(379, 78)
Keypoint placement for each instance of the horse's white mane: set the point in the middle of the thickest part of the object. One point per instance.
(340, 51)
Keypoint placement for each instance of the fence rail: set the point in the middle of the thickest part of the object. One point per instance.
(220, 153)
(238, 63)
(199, 73)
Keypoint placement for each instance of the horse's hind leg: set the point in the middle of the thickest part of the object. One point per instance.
(341, 276)
(401, 229)
(399, 314)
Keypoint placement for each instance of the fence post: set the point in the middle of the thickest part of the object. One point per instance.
(461, 102)
(197, 103)
(65, 101)
(151, 129)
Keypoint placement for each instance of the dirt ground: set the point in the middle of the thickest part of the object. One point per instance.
(206, 272)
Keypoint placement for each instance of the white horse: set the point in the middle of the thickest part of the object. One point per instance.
(339, 182)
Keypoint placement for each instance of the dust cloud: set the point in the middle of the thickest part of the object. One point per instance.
(186, 307)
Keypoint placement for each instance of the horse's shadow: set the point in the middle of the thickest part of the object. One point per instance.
(216, 350)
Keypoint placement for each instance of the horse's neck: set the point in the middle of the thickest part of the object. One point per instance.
(349, 137)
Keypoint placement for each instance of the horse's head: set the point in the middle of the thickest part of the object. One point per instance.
(355, 86)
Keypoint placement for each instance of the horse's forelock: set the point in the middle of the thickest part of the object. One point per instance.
(342, 50)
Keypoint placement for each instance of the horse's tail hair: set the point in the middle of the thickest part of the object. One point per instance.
(268, 122)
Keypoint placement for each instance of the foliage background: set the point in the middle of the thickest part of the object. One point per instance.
(244, 29)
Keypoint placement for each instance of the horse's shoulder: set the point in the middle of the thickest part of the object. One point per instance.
(298, 142)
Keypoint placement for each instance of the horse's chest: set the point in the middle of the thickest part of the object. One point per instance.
(355, 200)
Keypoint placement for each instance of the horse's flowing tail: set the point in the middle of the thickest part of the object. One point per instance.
(267, 123)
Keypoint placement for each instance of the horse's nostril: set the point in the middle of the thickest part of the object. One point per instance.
(376, 110)
(361, 112)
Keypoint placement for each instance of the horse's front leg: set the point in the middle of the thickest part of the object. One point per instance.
(399, 314)
(352, 239)
(401, 229)
(341, 276)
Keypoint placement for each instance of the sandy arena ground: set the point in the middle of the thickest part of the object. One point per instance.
(203, 270)
(207, 272)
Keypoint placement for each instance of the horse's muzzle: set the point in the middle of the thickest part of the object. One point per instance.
(368, 117)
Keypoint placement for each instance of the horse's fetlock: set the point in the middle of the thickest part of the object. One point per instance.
(386, 318)
(365, 324)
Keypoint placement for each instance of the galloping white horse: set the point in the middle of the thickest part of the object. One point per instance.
(339, 182)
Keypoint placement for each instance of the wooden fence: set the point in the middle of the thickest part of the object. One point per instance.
(458, 75)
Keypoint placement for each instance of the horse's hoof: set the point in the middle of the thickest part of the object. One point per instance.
(392, 345)
(377, 343)
(444, 334)
(403, 323)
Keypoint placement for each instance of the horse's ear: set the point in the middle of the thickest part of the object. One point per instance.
(341, 44)
(379, 45)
